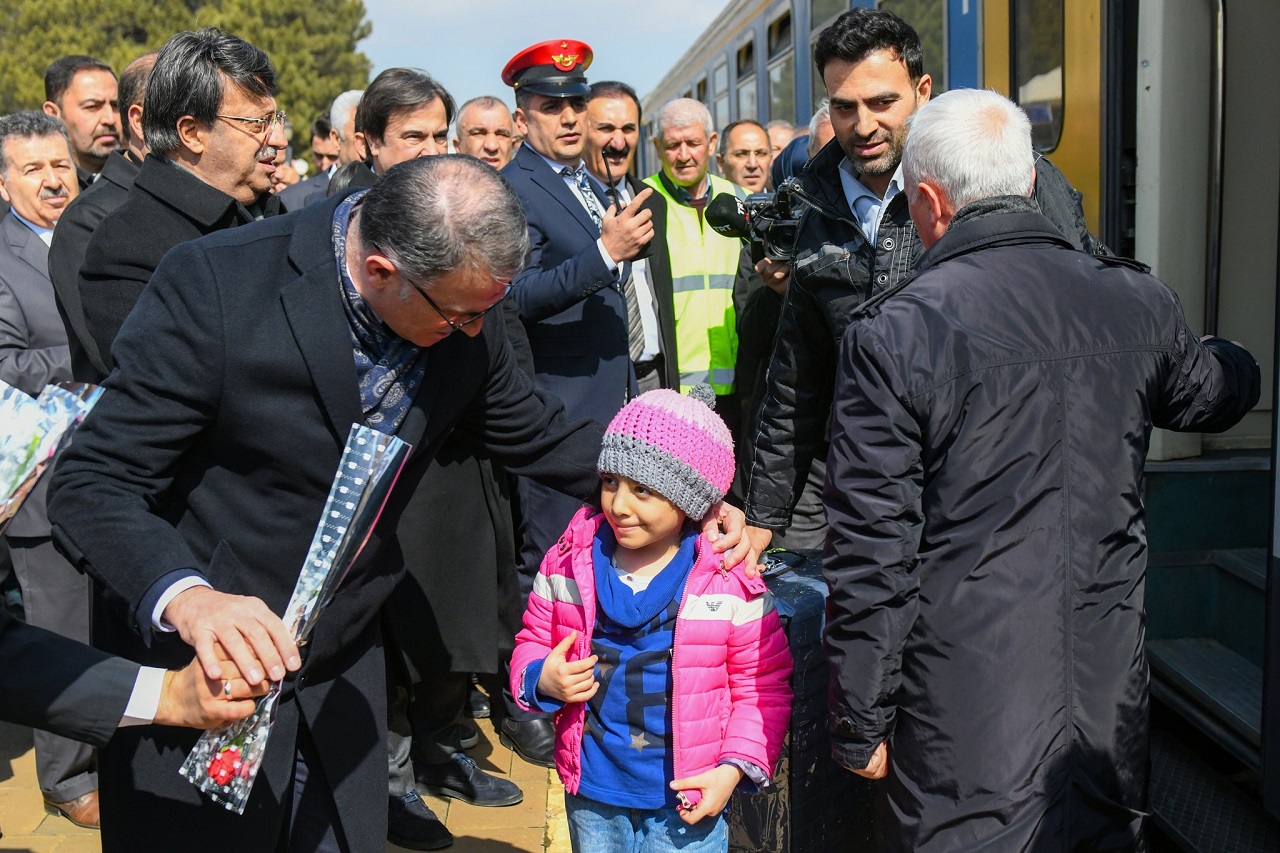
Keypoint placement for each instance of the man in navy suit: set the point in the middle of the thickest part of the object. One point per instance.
(571, 296)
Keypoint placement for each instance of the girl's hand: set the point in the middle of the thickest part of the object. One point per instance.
(568, 681)
(716, 785)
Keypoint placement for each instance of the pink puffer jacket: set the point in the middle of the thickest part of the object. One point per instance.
(731, 665)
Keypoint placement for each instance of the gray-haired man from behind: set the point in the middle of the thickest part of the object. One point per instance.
(987, 552)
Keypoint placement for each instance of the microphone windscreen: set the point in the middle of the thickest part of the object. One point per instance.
(726, 216)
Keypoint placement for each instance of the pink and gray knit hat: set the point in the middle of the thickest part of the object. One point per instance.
(675, 445)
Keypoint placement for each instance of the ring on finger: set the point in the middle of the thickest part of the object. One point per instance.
(226, 689)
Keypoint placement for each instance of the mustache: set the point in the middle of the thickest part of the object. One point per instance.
(47, 193)
(620, 153)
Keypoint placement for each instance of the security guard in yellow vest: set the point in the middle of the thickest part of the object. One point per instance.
(704, 264)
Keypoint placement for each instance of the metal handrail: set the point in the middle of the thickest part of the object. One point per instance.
(1213, 259)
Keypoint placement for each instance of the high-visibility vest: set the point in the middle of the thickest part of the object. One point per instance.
(704, 265)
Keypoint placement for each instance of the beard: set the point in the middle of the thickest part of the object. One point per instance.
(885, 163)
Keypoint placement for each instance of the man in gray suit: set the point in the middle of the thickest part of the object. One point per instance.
(38, 179)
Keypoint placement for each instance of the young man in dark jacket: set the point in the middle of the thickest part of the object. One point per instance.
(987, 557)
(856, 240)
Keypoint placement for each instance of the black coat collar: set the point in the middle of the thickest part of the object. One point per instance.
(119, 170)
(990, 223)
(204, 204)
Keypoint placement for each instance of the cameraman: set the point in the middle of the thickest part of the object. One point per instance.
(855, 241)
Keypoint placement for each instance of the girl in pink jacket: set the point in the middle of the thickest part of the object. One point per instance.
(668, 673)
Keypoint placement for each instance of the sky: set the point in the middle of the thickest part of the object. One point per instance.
(465, 43)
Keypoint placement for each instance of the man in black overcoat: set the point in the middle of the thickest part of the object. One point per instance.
(209, 457)
(210, 119)
(193, 488)
(987, 554)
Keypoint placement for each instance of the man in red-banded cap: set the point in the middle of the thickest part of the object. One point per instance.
(573, 296)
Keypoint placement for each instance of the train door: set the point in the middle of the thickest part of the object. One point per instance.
(1161, 113)
(1190, 177)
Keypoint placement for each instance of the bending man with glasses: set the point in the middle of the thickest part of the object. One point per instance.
(211, 119)
(192, 490)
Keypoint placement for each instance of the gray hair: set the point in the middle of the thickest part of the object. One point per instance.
(780, 122)
(972, 144)
(344, 107)
(28, 124)
(684, 112)
(433, 215)
(482, 102)
(823, 114)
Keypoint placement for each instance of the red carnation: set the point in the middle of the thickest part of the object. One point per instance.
(224, 766)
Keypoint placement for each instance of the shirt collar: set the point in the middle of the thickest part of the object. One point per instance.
(45, 234)
(558, 168)
(681, 194)
(855, 188)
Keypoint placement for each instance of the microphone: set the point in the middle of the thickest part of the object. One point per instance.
(726, 215)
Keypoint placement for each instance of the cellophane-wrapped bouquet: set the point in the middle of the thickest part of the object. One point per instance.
(224, 763)
(33, 430)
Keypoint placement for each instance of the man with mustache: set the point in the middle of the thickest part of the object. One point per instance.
(613, 131)
(573, 295)
(486, 131)
(211, 120)
(38, 180)
(82, 92)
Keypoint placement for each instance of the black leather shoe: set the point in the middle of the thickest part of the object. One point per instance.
(533, 740)
(460, 779)
(477, 707)
(410, 824)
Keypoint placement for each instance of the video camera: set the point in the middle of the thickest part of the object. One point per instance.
(769, 222)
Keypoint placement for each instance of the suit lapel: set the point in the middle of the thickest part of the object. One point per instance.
(313, 307)
(542, 174)
(27, 246)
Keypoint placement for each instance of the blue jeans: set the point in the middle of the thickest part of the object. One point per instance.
(596, 827)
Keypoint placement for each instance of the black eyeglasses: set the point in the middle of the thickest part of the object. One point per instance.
(259, 125)
(454, 325)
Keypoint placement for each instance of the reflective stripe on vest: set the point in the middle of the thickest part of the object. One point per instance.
(706, 377)
(704, 265)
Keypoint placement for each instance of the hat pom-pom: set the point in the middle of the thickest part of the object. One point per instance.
(704, 394)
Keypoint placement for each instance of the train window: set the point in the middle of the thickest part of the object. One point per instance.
(782, 88)
(926, 16)
(720, 111)
(746, 59)
(780, 36)
(822, 11)
(1037, 67)
(700, 90)
(747, 99)
(817, 86)
(720, 78)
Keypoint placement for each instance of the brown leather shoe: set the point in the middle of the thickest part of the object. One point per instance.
(82, 811)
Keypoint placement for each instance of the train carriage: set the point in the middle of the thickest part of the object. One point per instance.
(1161, 113)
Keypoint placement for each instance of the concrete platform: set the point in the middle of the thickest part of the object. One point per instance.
(536, 825)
